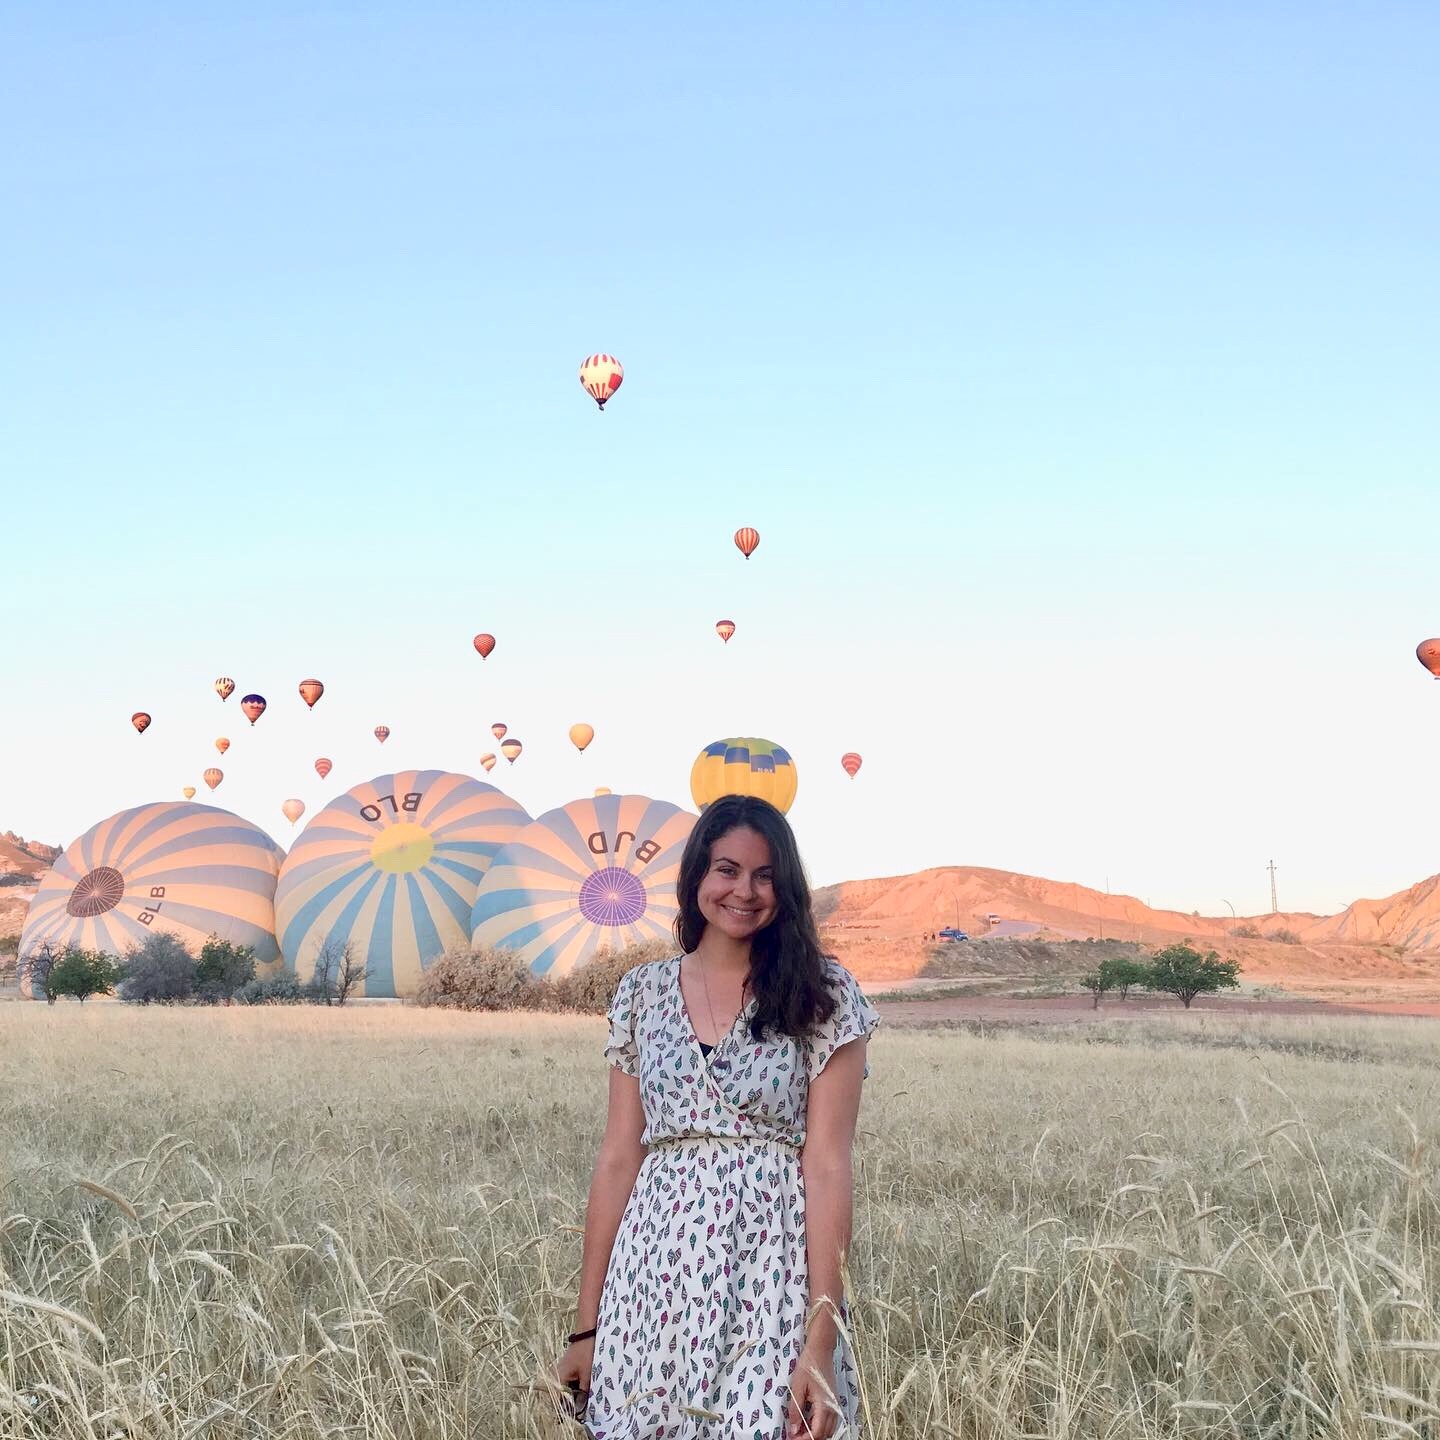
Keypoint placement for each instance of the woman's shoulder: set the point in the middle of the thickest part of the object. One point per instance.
(836, 975)
(645, 975)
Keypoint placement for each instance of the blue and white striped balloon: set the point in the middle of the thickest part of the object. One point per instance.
(173, 867)
(391, 868)
(593, 874)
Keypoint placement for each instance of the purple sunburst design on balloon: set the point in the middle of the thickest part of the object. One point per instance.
(612, 897)
(101, 890)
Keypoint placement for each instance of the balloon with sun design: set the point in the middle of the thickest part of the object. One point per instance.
(391, 868)
(169, 868)
(593, 874)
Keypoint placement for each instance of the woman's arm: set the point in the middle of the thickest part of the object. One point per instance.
(616, 1165)
(825, 1164)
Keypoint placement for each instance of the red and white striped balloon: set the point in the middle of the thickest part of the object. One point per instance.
(851, 762)
(602, 376)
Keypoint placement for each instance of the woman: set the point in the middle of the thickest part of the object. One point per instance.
(720, 1206)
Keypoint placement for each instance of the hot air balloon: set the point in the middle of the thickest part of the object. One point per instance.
(746, 540)
(725, 629)
(511, 749)
(172, 868)
(744, 765)
(603, 790)
(391, 868)
(1427, 652)
(602, 376)
(292, 810)
(484, 644)
(593, 875)
(498, 730)
(188, 791)
(382, 733)
(850, 762)
(222, 744)
(581, 736)
(141, 721)
(253, 706)
(224, 687)
(488, 761)
(323, 767)
(311, 691)
(212, 777)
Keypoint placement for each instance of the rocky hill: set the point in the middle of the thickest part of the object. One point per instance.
(19, 856)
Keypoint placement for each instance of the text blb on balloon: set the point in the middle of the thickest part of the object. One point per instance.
(148, 914)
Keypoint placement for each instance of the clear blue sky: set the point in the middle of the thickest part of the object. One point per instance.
(1077, 364)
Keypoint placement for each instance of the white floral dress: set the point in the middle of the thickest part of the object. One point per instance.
(702, 1316)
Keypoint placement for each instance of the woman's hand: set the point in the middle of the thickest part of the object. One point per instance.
(573, 1371)
(812, 1414)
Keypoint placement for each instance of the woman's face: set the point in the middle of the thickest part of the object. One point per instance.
(737, 895)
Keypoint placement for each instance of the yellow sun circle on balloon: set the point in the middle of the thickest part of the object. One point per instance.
(401, 848)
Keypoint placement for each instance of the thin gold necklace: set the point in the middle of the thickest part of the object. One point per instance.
(710, 1006)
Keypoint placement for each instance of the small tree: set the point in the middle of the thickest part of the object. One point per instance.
(34, 967)
(83, 973)
(223, 968)
(160, 970)
(338, 972)
(1182, 971)
(1097, 982)
(1124, 972)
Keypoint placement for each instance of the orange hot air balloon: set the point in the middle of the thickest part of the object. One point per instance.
(581, 736)
(484, 644)
(141, 721)
(498, 730)
(488, 761)
(850, 762)
(511, 749)
(224, 687)
(188, 791)
(222, 744)
(292, 810)
(1427, 652)
(253, 706)
(725, 629)
(746, 540)
(602, 376)
(311, 691)
(604, 790)
(382, 733)
(213, 777)
(323, 767)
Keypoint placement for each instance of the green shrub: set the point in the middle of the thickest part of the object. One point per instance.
(160, 970)
(1182, 971)
(466, 979)
(83, 973)
(282, 989)
(222, 970)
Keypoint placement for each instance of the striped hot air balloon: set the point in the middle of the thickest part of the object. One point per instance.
(510, 748)
(172, 868)
(253, 706)
(212, 777)
(594, 873)
(499, 730)
(391, 868)
(311, 691)
(602, 376)
(224, 687)
(382, 733)
(744, 765)
(850, 762)
(484, 644)
(746, 539)
(323, 767)
(488, 761)
(725, 629)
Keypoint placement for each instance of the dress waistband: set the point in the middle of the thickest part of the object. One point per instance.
(669, 1142)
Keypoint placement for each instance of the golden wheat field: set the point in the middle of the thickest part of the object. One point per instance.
(365, 1222)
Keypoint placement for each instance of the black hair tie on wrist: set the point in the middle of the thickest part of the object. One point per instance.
(582, 1335)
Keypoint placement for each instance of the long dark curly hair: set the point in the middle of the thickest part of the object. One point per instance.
(787, 966)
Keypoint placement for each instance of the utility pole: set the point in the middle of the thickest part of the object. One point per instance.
(1274, 905)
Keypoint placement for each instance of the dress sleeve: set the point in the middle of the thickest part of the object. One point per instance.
(622, 1050)
(854, 1017)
